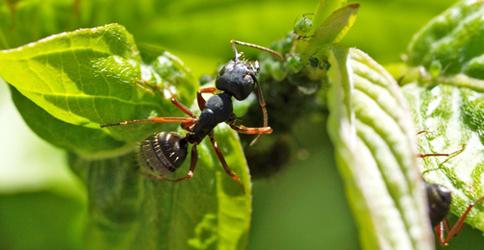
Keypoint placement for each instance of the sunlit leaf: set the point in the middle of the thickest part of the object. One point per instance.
(452, 42)
(333, 29)
(447, 100)
(324, 9)
(90, 77)
(374, 140)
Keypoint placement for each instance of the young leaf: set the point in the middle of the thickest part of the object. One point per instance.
(374, 141)
(131, 211)
(324, 9)
(331, 31)
(335, 27)
(447, 100)
(91, 77)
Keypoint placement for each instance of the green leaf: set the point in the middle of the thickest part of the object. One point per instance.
(375, 148)
(335, 27)
(324, 9)
(452, 42)
(452, 118)
(65, 135)
(50, 220)
(131, 211)
(330, 31)
(90, 77)
(447, 100)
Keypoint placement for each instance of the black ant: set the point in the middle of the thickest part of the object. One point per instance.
(439, 200)
(167, 150)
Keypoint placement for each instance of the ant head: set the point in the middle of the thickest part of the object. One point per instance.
(439, 198)
(237, 78)
(163, 151)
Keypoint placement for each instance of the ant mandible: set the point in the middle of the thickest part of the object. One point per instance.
(439, 199)
(164, 152)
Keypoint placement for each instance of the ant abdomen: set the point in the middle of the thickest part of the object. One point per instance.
(163, 151)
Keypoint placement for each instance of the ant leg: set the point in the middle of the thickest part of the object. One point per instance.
(251, 131)
(200, 100)
(448, 154)
(430, 155)
(182, 107)
(439, 231)
(193, 164)
(183, 120)
(255, 46)
(460, 222)
(262, 105)
(446, 224)
(421, 132)
(222, 160)
(189, 175)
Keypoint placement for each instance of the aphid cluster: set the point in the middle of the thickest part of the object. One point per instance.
(291, 87)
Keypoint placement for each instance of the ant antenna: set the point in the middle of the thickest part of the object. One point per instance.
(255, 46)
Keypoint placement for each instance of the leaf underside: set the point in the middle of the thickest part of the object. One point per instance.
(374, 140)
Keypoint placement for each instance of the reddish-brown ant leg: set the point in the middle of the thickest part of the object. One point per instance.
(262, 105)
(193, 164)
(436, 154)
(200, 100)
(460, 223)
(430, 155)
(251, 131)
(448, 154)
(183, 120)
(439, 231)
(189, 175)
(182, 107)
(221, 158)
(187, 126)
(421, 132)
(446, 224)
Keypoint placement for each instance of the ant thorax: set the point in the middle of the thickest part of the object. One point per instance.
(218, 109)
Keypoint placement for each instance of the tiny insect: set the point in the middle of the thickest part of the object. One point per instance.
(439, 199)
(165, 152)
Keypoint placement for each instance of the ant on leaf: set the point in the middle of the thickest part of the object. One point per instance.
(165, 152)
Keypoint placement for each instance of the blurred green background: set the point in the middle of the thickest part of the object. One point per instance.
(302, 207)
